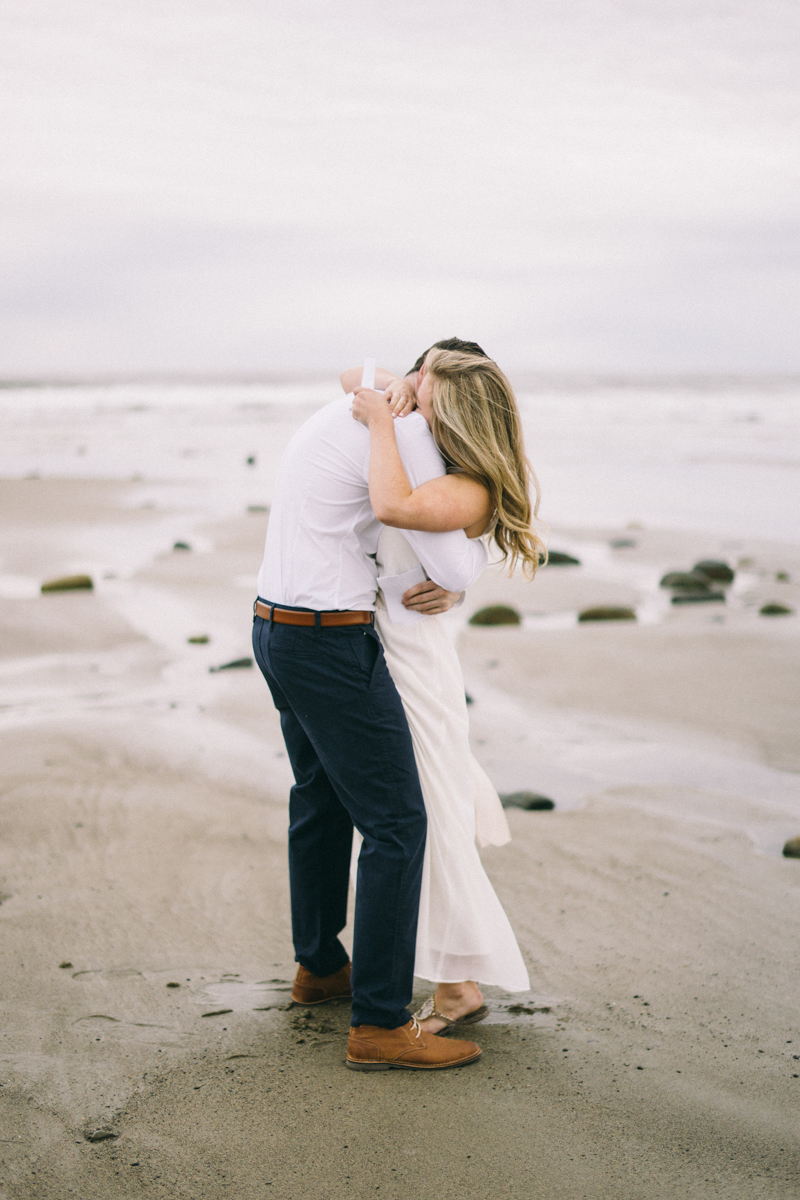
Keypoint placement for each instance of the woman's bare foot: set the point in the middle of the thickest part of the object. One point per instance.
(453, 1000)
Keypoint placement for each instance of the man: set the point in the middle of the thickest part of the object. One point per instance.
(345, 728)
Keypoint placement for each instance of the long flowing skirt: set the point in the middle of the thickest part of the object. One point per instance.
(463, 932)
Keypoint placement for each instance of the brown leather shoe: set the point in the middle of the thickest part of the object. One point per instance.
(370, 1048)
(310, 989)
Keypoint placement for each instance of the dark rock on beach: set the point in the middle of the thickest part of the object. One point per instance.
(792, 848)
(181, 546)
(100, 1133)
(699, 598)
(720, 572)
(607, 613)
(776, 610)
(687, 581)
(69, 583)
(235, 665)
(557, 558)
(199, 639)
(496, 614)
(530, 801)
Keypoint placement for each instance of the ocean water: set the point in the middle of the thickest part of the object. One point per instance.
(719, 456)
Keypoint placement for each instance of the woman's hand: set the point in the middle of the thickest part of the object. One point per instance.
(369, 406)
(401, 396)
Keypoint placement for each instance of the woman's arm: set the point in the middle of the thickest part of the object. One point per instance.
(438, 506)
(399, 393)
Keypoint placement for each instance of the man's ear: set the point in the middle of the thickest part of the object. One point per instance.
(420, 377)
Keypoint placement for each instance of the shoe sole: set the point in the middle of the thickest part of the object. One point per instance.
(324, 1000)
(396, 1066)
(471, 1019)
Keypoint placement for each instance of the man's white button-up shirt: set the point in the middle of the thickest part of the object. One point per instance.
(323, 534)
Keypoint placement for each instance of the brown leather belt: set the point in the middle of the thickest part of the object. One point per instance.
(290, 616)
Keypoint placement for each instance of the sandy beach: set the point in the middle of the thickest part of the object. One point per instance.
(146, 956)
(208, 211)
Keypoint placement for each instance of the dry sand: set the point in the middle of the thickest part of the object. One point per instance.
(143, 843)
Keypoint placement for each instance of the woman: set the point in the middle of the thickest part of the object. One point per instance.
(464, 937)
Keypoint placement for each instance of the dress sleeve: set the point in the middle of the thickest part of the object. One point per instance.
(452, 560)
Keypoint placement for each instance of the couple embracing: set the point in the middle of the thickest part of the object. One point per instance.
(384, 508)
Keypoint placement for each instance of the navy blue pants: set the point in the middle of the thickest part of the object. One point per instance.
(350, 748)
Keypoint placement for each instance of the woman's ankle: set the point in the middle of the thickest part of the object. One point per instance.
(456, 995)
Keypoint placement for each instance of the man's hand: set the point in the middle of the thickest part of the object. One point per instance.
(429, 598)
(401, 396)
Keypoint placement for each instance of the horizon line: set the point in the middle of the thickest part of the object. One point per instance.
(525, 377)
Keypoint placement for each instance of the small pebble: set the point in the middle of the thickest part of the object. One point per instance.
(776, 610)
(557, 558)
(496, 614)
(792, 848)
(65, 966)
(69, 583)
(700, 598)
(181, 546)
(101, 1133)
(200, 639)
(235, 665)
(720, 572)
(607, 613)
(173, 985)
(530, 801)
(687, 581)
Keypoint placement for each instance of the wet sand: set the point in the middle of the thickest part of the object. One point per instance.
(143, 842)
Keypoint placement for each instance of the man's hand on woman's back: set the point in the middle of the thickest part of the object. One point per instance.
(429, 598)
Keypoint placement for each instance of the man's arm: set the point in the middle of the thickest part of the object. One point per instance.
(452, 560)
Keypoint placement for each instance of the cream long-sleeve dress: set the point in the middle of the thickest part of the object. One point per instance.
(463, 931)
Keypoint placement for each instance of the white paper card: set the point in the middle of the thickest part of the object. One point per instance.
(394, 587)
(368, 374)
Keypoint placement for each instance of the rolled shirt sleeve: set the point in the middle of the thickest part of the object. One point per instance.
(452, 560)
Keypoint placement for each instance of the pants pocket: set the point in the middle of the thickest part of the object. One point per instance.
(369, 655)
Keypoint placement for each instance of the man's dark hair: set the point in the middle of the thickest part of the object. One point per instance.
(450, 344)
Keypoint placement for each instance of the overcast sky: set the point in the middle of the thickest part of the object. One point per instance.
(251, 185)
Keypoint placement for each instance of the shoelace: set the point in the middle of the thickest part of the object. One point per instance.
(416, 1028)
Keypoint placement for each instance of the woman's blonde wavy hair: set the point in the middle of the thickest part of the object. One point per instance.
(475, 423)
